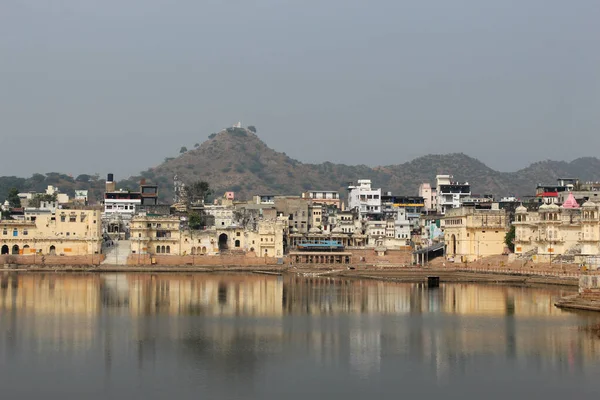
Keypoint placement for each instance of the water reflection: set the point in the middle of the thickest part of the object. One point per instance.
(244, 325)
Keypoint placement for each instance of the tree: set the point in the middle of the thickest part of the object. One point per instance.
(197, 192)
(195, 221)
(13, 198)
(212, 135)
(509, 238)
(183, 150)
(252, 128)
(197, 145)
(83, 178)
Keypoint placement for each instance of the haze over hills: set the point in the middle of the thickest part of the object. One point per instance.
(237, 159)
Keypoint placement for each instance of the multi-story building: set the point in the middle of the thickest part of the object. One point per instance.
(166, 235)
(569, 232)
(365, 199)
(429, 197)
(121, 205)
(325, 197)
(68, 232)
(471, 233)
(450, 194)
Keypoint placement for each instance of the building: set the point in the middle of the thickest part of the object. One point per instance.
(325, 197)
(471, 233)
(165, 235)
(450, 194)
(552, 233)
(65, 232)
(429, 197)
(365, 199)
(121, 205)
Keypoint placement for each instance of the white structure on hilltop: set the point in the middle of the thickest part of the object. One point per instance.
(364, 198)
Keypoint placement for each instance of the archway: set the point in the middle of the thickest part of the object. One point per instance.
(4, 249)
(15, 250)
(453, 245)
(237, 243)
(193, 251)
(168, 249)
(203, 251)
(223, 241)
(52, 250)
(26, 249)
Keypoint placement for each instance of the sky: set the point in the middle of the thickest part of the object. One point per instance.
(91, 86)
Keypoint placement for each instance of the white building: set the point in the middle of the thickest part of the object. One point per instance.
(450, 194)
(364, 198)
(223, 214)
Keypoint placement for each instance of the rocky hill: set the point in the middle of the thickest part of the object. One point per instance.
(236, 159)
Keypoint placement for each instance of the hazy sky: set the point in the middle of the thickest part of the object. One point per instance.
(118, 85)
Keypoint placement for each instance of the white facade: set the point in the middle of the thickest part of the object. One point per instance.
(364, 198)
(223, 215)
(450, 194)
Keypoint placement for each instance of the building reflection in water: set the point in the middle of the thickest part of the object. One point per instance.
(227, 317)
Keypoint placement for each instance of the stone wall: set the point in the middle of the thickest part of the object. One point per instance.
(200, 260)
(391, 257)
(51, 260)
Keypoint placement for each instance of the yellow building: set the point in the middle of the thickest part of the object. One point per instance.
(69, 232)
(471, 233)
(568, 232)
(163, 235)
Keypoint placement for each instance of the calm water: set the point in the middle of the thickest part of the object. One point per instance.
(154, 336)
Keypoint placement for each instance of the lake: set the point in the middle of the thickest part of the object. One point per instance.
(234, 336)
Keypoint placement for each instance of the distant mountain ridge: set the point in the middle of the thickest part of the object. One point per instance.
(236, 159)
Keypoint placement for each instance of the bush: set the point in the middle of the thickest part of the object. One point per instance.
(252, 128)
(240, 169)
(212, 135)
(183, 150)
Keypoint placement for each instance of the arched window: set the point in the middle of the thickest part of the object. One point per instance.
(52, 251)
(162, 249)
(158, 249)
(203, 250)
(168, 249)
(237, 243)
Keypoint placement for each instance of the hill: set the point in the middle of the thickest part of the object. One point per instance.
(237, 159)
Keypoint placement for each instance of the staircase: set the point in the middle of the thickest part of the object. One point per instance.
(117, 254)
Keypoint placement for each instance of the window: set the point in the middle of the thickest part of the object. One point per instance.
(238, 234)
(72, 218)
(4, 232)
(25, 233)
(15, 232)
(63, 218)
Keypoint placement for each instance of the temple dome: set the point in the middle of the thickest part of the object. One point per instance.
(521, 209)
(589, 204)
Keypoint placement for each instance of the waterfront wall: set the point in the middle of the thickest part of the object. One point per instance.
(199, 260)
(401, 257)
(589, 286)
(94, 259)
